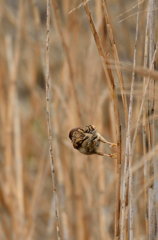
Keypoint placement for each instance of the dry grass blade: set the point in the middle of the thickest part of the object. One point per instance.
(130, 9)
(82, 4)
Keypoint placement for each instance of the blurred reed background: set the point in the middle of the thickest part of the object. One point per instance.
(92, 196)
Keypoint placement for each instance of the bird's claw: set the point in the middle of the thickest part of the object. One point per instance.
(113, 145)
(113, 155)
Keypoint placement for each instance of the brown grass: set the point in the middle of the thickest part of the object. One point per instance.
(79, 73)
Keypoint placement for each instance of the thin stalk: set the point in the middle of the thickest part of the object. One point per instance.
(60, 179)
(145, 128)
(151, 106)
(128, 153)
(151, 110)
(49, 120)
(152, 81)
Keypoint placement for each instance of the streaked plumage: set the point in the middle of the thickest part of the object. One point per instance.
(87, 140)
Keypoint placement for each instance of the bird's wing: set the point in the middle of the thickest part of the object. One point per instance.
(90, 129)
(78, 137)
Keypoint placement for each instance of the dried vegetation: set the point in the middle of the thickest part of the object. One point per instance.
(65, 64)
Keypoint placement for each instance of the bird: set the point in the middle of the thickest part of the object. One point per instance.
(87, 141)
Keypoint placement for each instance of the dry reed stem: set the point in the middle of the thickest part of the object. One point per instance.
(60, 178)
(98, 10)
(151, 110)
(141, 108)
(49, 120)
(118, 172)
(79, 6)
(116, 58)
(145, 127)
(128, 155)
(151, 101)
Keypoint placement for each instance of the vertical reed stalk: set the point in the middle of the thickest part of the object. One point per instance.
(145, 127)
(49, 121)
(128, 154)
(151, 111)
(60, 179)
(152, 81)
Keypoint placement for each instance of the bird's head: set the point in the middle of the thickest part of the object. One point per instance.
(71, 132)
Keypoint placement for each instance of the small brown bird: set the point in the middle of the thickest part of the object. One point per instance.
(87, 140)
